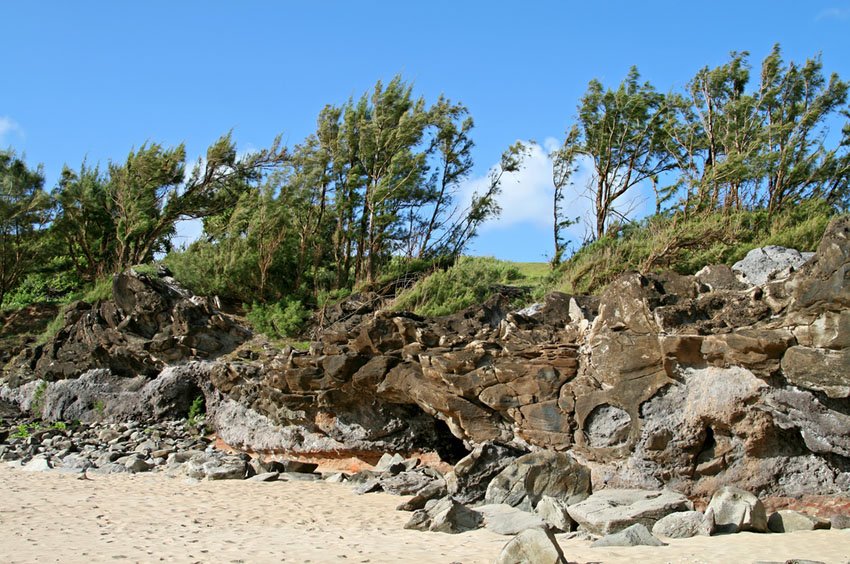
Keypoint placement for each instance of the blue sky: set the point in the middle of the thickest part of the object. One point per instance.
(94, 79)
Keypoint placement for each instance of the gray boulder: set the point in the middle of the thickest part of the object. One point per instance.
(468, 482)
(737, 510)
(449, 516)
(38, 464)
(683, 525)
(555, 513)
(434, 490)
(216, 468)
(532, 545)
(788, 521)
(636, 535)
(840, 521)
(611, 511)
(445, 516)
(763, 263)
(506, 520)
(265, 477)
(525, 481)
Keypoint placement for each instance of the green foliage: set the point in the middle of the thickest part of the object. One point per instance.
(687, 243)
(470, 281)
(24, 430)
(37, 404)
(278, 320)
(24, 214)
(100, 408)
(40, 287)
(196, 411)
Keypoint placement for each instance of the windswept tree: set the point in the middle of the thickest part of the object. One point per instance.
(795, 101)
(621, 132)
(768, 145)
(113, 221)
(24, 215)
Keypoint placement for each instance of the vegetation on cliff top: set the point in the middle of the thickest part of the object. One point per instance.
(374, 195)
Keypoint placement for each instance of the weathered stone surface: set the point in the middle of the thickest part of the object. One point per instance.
(737, 510)
(821, 370)
(609, 511)
(683, 525)
(788, 521)
(532, 545)
(507, 520)
(525, 481)
(449, 516)
(554, 513)
(634, 535)
(761, 264)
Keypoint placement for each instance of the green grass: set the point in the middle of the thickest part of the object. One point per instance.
(470, 281)
(685, 245)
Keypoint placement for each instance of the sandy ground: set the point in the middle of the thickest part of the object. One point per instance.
(53, 517)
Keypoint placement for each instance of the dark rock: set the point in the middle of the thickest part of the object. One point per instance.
(469, 479)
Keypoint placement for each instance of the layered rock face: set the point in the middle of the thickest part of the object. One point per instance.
(688, 382)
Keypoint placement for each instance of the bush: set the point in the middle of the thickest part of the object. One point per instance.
(278, 320)
(40, 287)
(469, 281)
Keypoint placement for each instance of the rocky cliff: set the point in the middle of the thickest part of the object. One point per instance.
(690, 382)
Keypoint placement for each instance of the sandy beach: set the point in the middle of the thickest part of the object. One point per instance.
(54, 517)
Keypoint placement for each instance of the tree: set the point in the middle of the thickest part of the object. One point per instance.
(24, 215)
(128, 216)
(795, 102)
(621, 132)
(83, 221)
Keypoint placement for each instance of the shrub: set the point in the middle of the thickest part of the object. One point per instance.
(278, 320)
(40, 287)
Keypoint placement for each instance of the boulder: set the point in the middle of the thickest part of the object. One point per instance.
(554, 513)
(737, 510)
(436, 489)
(265, 477)
(532, 545)
(217, 468)
(762, 264)
(525, 481)
(469, 479)
(683, 525)
(788, 521)
(611, 510)
(38, 464)
(445, 516)
(506, 520)
(635, 535)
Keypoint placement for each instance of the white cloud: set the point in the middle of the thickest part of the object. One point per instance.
(833, 14)
(7, 126)
(527, 196)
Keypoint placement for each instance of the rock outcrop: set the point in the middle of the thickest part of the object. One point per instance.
(684, 382)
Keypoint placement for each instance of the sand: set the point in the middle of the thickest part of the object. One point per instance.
(54, 517)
